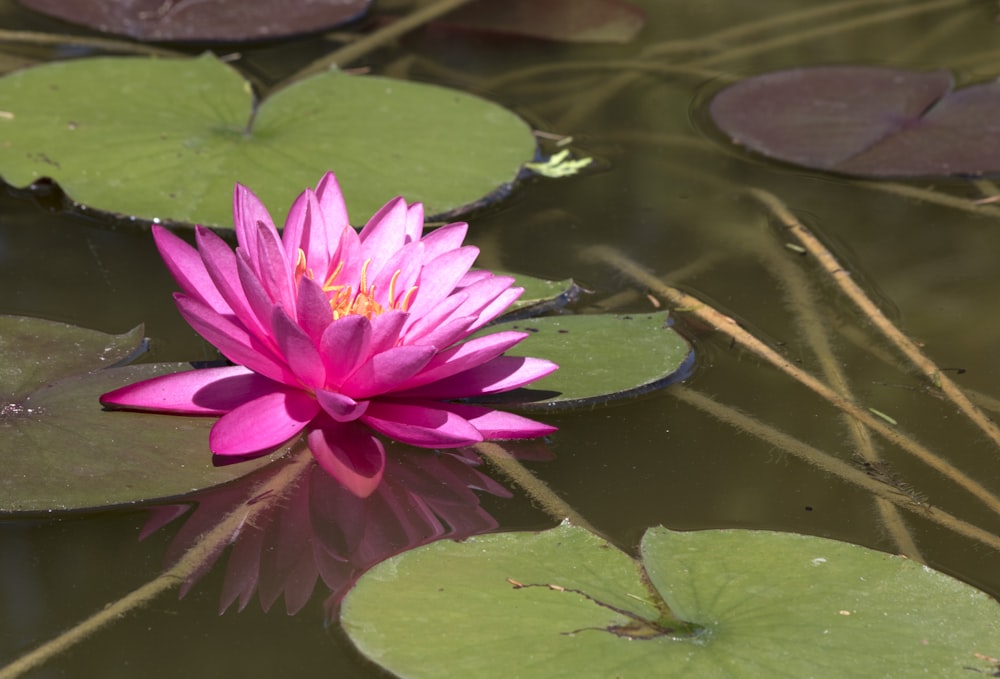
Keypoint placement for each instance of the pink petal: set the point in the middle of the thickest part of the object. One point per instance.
(414, 223)
(383, 372)
(188, 269)
(233, 340)
(258, 301)
(443, 239)
(248, 212)
(220, 261)
(345, 345)
(503, 373)
(294, 234)
(440, 276)
(340, 407)
(313, 309)
(386, 328)
(465, 356)
(424, 424)
(209, 391)
(350, 454)
(273, 268)
(384, 233)
(332, 207)
(497, 424)
(298, 349)
(263, 423)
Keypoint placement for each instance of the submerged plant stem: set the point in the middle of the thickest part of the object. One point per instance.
(379, 38)
(832, 465)
(799, 292)
(109, 44)
(536, 489)
(201, 552)
(716, 319)
(854, 292)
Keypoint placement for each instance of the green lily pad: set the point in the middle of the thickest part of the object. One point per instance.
(540, 296)
(167, 139)
(34, 352)
(60, 450)
(601, 358)
(565, 603)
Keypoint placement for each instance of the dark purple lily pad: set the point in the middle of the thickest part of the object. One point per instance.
(865, 120)
(197, 21)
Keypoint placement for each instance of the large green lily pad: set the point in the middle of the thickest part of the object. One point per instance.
(60, 450)
(601, 358)
(565, 603)
(167, 139)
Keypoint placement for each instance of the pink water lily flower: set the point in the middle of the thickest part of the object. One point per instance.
(341, 335)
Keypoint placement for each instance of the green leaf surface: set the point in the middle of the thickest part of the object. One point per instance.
(168, 139)
(565, 603)
(34, 351)
(601, 358)
(540, 295)
(60, 450)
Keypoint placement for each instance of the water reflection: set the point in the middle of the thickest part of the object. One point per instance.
(313, 529)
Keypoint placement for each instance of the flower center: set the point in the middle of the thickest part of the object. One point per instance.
(346, 301)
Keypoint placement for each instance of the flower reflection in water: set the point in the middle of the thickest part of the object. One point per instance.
(318, 529)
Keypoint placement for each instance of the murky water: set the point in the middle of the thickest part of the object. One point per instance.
(670, 194)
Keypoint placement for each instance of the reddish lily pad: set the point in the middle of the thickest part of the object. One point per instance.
(865, 120)
(61, 451)
(193, 21)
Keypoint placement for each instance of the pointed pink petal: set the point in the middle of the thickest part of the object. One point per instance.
(443, 239)
(463, 356)
(414, 223)
(440, 276)
(497, 424)
(385, 371)
(423, 424)
(332, 207)
(258, 300)
(263, 423)
(248, 212)
(220, 261)
(345, 345)
(298, 349)
(313, 309)
(405, 267)
(273, 268)
(384, 233)
(340, 407)
(233, 340)
(188, 269)
(503, 373)
(350, 454)
(294, 233)
(209, 391)
(386, 328)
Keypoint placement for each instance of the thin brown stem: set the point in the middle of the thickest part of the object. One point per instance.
(379, 38)
(201, 552)
(723, 323)
(832, 465)
(854, 292)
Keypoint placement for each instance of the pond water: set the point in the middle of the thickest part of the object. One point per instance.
(667, 192)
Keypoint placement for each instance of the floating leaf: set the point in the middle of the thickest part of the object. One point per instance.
(613, 21)
(216, 21)
(601, 358)
(60, 450)
(102, 130)
(540, 296)
(566, 603)
(865, 120)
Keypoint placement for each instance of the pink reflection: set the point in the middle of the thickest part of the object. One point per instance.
(321, 530)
